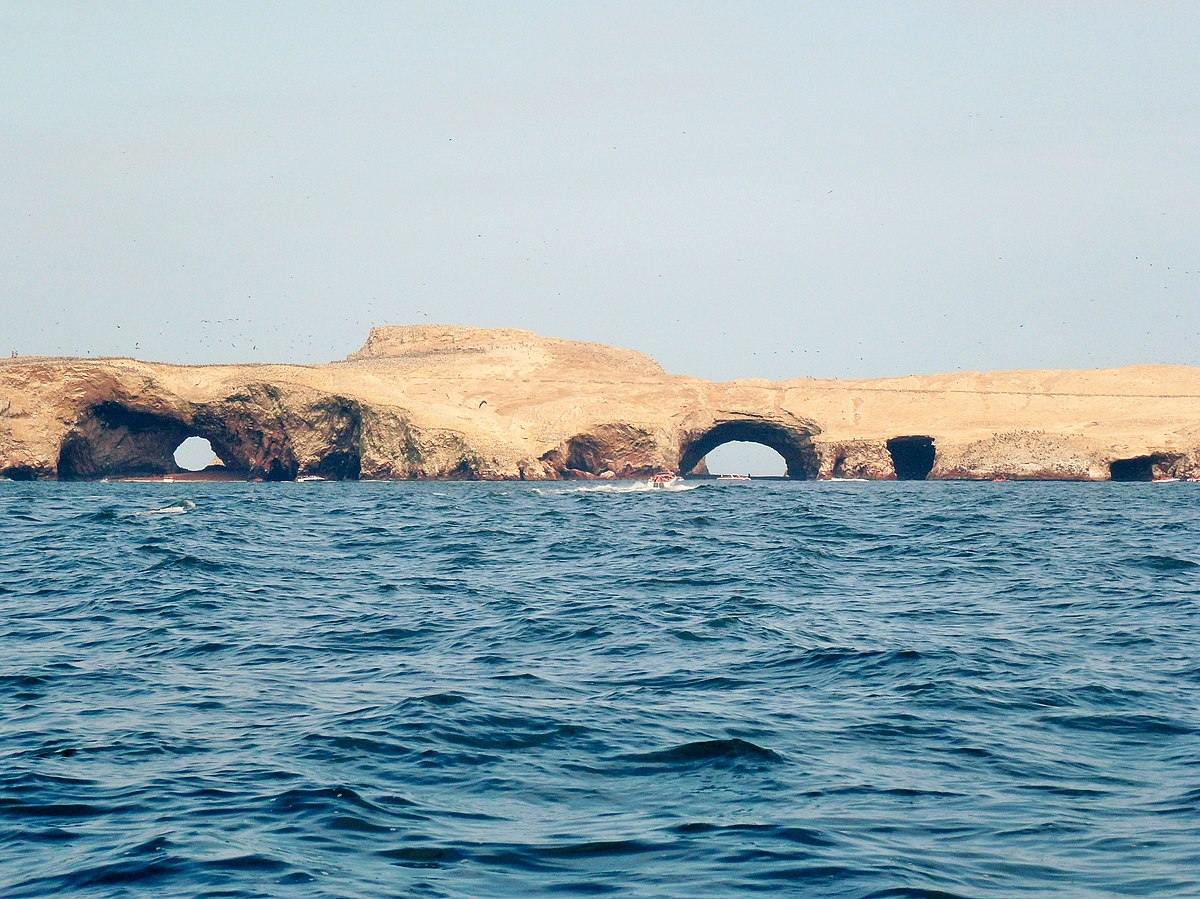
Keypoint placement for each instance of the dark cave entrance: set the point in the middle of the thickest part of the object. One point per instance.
(1138, 468)
(112, 440)
(794, 444)
(340, 466)
(230, 439)
(912, 457)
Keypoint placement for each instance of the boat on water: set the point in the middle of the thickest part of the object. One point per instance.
(664, 479)
(734, 478)
(309, 477)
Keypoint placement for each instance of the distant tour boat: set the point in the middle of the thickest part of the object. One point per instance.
(309, 477)
(736, 478)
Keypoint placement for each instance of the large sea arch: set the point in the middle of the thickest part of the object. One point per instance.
(794, 443)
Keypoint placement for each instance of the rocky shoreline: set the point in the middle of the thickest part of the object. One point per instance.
(441, 402)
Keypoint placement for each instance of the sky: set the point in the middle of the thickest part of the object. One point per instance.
(738, 190)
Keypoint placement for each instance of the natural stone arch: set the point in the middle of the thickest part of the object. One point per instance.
(113, 438)
(794, 443)
(1144, 468)
(250, 432)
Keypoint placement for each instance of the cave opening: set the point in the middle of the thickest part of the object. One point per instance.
(794, 445)
(111, 439)
(745, 457)
(1138, 468)
(912, 457)
(585, 452)
(340, 466)
(280, 471)
(196, 454)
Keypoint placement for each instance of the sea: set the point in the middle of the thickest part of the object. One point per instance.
(507, 689)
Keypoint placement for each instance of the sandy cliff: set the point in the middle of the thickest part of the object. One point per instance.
(451, 402)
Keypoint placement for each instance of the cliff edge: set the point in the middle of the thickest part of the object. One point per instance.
(452, 402)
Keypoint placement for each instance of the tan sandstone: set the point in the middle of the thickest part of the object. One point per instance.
(455, 402)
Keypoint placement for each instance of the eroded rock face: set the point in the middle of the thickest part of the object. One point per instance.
(111, 438)
(610, 450)
(868, 459)
(1023, 455)
(461, 403)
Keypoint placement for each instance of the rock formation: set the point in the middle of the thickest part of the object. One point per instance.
(463, 403)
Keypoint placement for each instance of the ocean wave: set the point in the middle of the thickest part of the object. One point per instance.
(1147, 726)
(515, 689)
(716, 751)
(1163, 563)
(637, 487)
(179, 507)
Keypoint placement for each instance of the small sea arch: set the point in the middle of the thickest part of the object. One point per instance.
(116, 439)
(1143, 468)
(794, 444)
(122, 438)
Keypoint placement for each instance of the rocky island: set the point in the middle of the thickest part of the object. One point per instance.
(465, 403)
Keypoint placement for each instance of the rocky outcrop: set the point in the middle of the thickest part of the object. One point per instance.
(448, 402)
(610, 451)
(1024, 455)
(867, 459)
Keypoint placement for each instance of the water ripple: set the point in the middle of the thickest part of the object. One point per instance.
(888, 690)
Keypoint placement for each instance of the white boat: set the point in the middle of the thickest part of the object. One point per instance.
(664, 479)
(309, 477)
(735, 478)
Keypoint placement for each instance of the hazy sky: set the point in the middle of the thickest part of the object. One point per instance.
(736, 189)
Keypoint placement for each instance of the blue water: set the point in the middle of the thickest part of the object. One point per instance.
(500, 689)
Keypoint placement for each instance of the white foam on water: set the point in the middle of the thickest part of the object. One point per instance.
(639, 487)
(179, 507)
